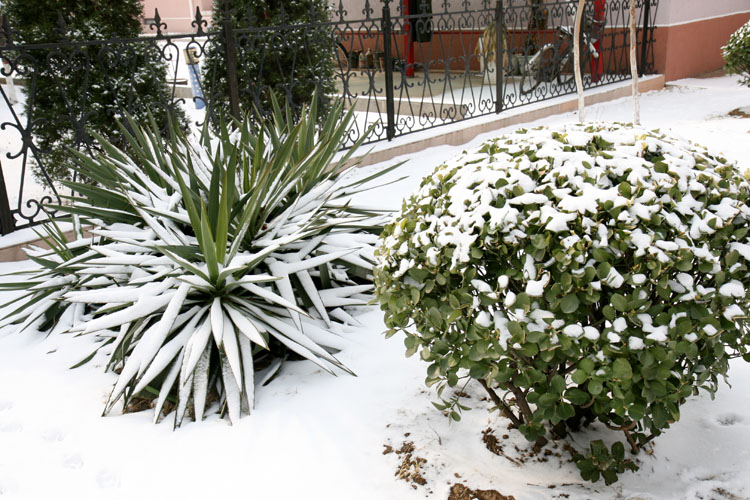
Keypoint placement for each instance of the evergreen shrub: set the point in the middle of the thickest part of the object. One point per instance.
(274, 55)
(81, 89)
(737, 53)
(579, 274)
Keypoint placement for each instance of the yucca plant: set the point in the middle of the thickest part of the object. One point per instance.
(209, 259)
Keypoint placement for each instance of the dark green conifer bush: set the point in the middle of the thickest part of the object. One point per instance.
(274, 53)
(83, 89)
(579, 274)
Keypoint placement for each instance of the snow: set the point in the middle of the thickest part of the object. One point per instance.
(635, 343)
(316, 436)
(732, 289)
(573, 331)
(535, 288)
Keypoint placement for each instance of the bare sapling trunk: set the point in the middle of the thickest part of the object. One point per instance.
(634, 66)
(577, 58)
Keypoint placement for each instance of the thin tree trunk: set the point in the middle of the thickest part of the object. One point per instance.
(634, 66)
(577, 58)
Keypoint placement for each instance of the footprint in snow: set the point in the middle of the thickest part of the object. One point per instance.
(11, 427)
(5, 405)
(72, 461)
(729, 419)
(107, 479)
(53, 435)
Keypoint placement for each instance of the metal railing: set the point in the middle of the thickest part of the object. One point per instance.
(403, 71)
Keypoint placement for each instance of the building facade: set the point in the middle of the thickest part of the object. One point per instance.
(177, 14)
(688, 34)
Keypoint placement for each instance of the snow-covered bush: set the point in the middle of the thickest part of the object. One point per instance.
(208, 261)
(737, 53)
(578, 273)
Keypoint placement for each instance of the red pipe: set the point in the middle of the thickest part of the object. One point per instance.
(597, 64)
(408, 42)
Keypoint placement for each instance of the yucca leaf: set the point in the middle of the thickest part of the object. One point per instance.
(212, 202)
(184, 388)
(245, 326)
(183, 263)
(231, 390)
(248, 374)
(208, 247)
(231, 349)
(217, 320)
(196, 345)
(200, 383)
(144, 307)
(166, 386)
(224, 211)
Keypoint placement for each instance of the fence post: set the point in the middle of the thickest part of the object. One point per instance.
(499, 56)
(390, 129)
(7, 223)
(645, 38)
(231, 58)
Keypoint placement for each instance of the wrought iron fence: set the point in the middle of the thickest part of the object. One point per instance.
(404, 66)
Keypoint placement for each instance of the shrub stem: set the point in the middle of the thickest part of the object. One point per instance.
(501, 404)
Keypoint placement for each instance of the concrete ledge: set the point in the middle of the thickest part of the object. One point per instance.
(455, 137)
(14, 251)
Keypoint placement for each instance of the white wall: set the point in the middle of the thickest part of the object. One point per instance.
(673, 12)
(669, 12)
(354, 7)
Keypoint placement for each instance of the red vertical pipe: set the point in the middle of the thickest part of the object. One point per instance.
(597, 64)
(408, 43)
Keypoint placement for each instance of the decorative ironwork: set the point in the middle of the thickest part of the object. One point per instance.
(417, 64)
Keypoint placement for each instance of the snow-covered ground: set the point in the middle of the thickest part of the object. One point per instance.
(315, 436)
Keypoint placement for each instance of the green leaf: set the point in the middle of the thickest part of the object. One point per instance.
(435, 317)
(621, 369)
(579, 377)
(569, 303)
(601, 255)
(586, 365)
(576, 396)
(547, 399)
(595, 386)
(636, 411)
(619, 302)
(515, 328)
(609, 312)
(603, 270)
(558, 384)
(539, 241)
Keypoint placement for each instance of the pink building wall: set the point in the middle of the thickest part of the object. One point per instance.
(177, 14)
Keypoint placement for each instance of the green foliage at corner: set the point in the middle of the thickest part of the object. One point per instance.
(579, 274)
(207, 261)
(80, 89)
(294, 59)
(737, 53)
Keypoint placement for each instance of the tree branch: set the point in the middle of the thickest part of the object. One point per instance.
(501, 404)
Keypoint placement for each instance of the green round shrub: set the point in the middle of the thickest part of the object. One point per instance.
(579, 273)
(737, 53)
